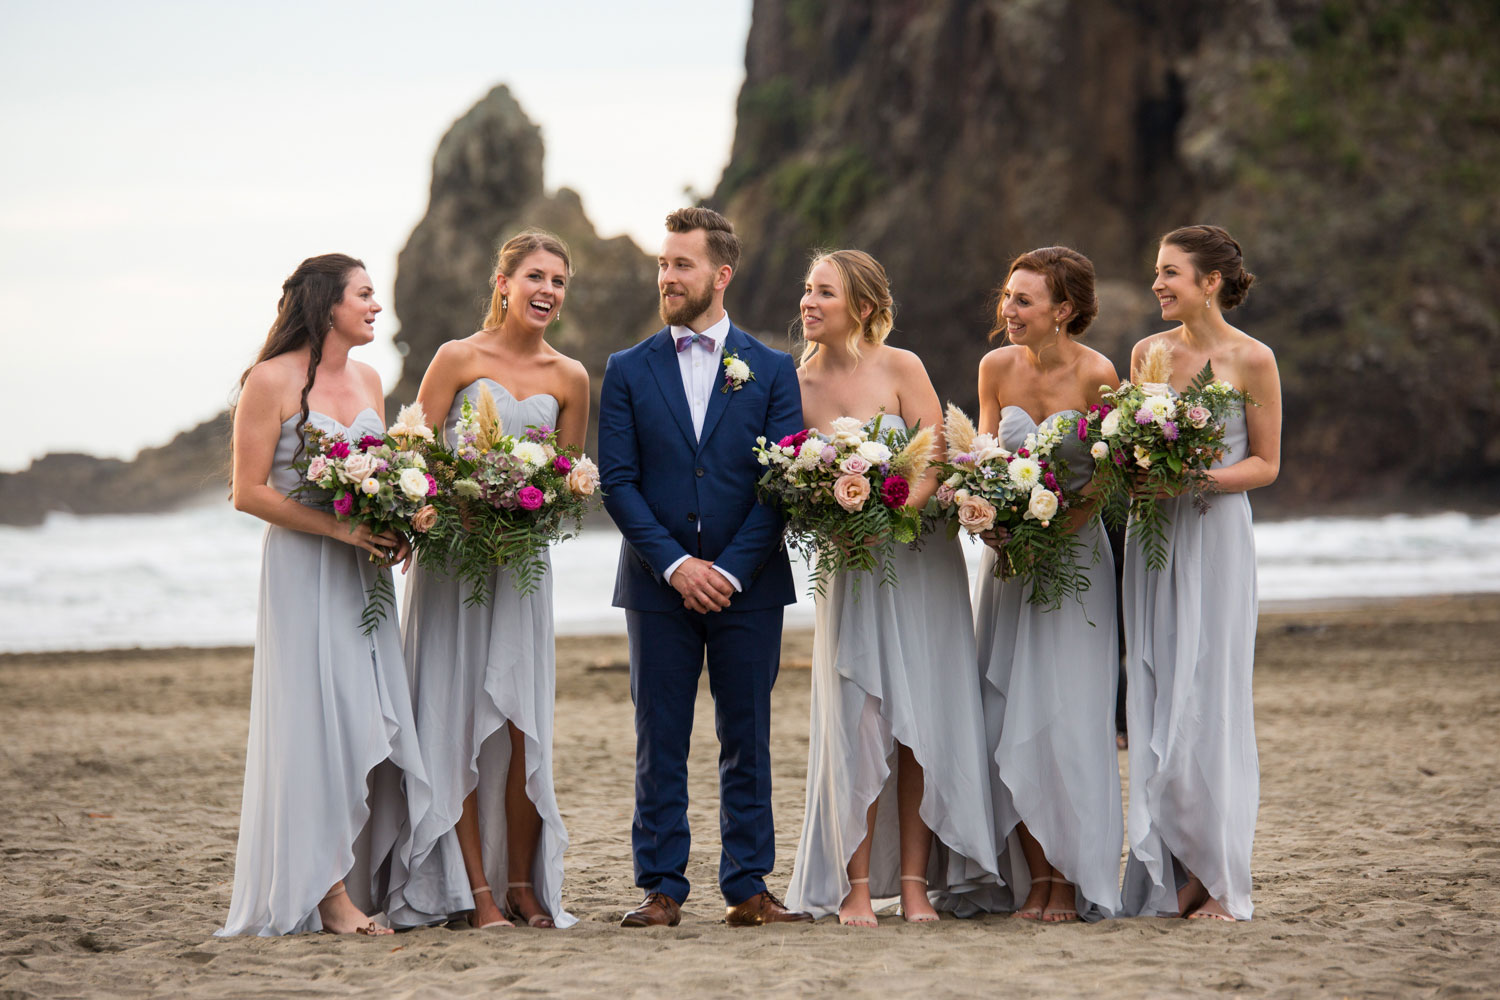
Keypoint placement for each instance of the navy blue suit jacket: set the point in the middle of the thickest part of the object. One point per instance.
(673, 495)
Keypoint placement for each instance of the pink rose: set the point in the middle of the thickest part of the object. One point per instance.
(561, 464)
(316, 468)
(945, 494)
(370, 441)
(529, 497)
(344, 504)
(976, 514)
(339, 449)
(424, 519)
(1198, 416)
(855, 465)
(851, 491)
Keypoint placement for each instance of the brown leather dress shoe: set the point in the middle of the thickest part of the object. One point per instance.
(656, 910)
(763, 909)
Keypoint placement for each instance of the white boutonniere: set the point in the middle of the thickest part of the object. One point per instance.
(736, 373)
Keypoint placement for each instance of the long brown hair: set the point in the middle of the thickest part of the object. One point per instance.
(304, 315)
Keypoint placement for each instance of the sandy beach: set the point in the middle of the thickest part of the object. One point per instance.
(1377, 856)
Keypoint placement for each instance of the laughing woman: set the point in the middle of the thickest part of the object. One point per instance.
(897, 802)
(1190, 627)
(332, 739)
(1048, 677)
(484, 676)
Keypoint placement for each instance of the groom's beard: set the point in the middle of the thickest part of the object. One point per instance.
(694, 304)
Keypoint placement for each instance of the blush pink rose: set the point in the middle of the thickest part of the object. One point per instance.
(976, 514)
(855, 465)
(583, 478)
(851, 491)
(424, 518)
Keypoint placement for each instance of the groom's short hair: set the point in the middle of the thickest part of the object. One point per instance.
(723, 245)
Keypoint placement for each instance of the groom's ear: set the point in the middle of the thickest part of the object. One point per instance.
(722, 277)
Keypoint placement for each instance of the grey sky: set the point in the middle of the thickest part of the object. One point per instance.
(165, 165)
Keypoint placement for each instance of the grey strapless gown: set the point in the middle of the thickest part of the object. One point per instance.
(334, 779)
(895, 664)
(473, 669)
(1190, 647)
(1049, 680)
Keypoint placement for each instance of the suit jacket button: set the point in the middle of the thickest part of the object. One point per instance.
(699, 473)
(692, 517)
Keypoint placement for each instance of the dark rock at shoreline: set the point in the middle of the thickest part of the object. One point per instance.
(177, 473)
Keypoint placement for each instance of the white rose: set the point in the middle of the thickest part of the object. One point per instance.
(533, 454)
(847, 432)
(413, 483)
(1111, 425)
(874, 452)
(1043, 504)
(992, 453)
(1025, 473)
(371, 486)
(1155, 388)
(1099, 450)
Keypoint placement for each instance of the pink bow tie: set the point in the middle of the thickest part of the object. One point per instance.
(687, 340)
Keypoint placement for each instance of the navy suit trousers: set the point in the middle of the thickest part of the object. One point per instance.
(666, 658)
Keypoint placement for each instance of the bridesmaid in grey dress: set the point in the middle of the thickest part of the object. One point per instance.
(483, 676)
(330, 712)
(1190, 628)
(896, 741)
(1049, 676)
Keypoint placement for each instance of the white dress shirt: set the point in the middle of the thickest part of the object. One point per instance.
(700, 369)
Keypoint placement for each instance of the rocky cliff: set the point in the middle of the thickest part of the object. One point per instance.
(1351, 146)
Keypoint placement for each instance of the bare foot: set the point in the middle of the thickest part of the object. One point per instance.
(856, 909)
(1211, 910)
(915, 906)
(1036, 898)
(341, 916)
(1190, 896)
(521, 901)
(486, 914)
(1062, 905)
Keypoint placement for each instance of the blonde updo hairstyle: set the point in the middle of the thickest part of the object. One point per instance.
(865, 284)
(512, 252)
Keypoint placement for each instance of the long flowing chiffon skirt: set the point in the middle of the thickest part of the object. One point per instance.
(334, 778)
(474, 668)
(1049, 683)
(895, 665)
(1194, 772)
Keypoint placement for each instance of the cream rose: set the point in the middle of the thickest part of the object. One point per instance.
(1043, 505)
(424, 518)
(1110, 426)
(357, 467)
(976, 514)
(851, 491)
(874, 452)
(583, 478)
(413, 483)
(847, 432)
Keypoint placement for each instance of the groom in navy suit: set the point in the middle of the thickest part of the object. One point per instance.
(702, 566)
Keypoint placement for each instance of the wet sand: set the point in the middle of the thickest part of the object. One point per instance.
(1377, 856)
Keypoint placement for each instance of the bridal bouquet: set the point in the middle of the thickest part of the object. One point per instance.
(984, 488)
(502, 499)
(379, 481)
(1148, 443)
(844, 494)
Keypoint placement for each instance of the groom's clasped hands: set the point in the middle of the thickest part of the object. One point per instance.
(703, 588)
